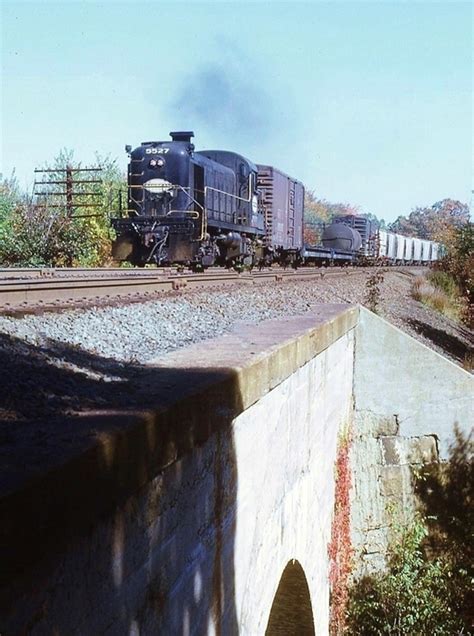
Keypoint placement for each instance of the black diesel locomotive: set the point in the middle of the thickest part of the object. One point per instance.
(205, 208)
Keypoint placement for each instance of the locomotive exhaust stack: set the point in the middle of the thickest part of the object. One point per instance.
(182, 136)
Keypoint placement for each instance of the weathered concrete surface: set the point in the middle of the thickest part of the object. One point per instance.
(407, 402)
(288, 504)
(397, 376)
(182, 518)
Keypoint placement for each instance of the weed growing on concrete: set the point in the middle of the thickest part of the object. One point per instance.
(340, 548)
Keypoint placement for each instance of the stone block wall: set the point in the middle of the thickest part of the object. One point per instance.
(407, 401)
(383, 465)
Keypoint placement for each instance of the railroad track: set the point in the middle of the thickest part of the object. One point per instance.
(36, 295)
(81, 288)
(26, 273)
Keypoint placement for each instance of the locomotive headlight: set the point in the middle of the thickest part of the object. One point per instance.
(156, 163)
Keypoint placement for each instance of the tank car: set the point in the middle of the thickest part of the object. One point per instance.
(341, 237)
(340, 244)
(195, 208)
(364, 227)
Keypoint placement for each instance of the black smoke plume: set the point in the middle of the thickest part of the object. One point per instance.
(225, 97)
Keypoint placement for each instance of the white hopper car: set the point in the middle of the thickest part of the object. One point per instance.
(398, 249)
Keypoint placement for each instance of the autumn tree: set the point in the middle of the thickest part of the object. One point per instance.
(316, 215)
(436, 222)
(458, 261)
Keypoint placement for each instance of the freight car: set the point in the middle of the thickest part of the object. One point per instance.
(396, 249)
(389, 248)
(282, 200)
(205, 208)
(364, 227)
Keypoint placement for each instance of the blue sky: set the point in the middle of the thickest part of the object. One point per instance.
(366, 102)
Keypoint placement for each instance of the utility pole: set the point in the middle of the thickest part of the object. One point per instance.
(69, 189)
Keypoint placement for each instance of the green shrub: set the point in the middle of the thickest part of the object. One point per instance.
(444, 281)
(33, 231)
(445, 491)
(415, 596)
(459, 263)
(427, 586)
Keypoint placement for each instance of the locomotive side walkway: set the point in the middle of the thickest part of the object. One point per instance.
(180, 516)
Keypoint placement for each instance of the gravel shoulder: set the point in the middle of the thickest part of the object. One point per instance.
(58, 364)
(446, 336)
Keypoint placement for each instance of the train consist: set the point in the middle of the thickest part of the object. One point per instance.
(389, 248)
(215, 207)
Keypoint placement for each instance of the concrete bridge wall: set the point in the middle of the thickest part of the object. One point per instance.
(182, 519)
(407, 401)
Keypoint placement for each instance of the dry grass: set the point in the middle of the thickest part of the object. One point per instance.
(468, 362)
(425, 292)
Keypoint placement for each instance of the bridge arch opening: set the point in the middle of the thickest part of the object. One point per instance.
(291, 613)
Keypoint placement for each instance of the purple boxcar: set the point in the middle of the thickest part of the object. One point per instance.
(282, 198)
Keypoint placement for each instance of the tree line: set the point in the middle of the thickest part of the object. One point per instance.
(435, 222)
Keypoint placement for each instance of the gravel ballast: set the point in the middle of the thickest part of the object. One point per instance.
(141, 332)
(59, 363)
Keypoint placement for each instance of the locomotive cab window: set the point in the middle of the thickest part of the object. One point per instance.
(243, 172)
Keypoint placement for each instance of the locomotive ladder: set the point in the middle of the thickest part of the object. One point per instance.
(266, 183)
(291, 213)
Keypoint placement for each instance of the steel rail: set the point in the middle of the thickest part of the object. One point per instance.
(8, 273)
(50, 294)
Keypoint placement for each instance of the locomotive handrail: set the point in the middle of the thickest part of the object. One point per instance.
(139, 203)
(233, 196)
(194, 214)
(203, 208)
(203, 211)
